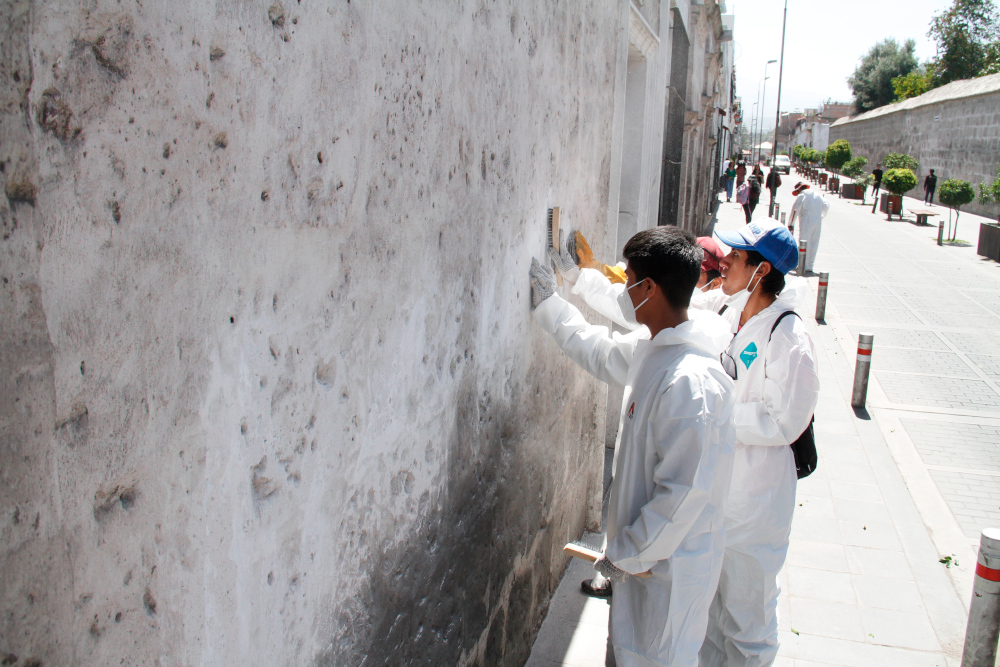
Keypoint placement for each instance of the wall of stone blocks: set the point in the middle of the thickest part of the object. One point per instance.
(270, 392)
(957, 138)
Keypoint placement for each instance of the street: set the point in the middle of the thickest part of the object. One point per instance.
(901, 486)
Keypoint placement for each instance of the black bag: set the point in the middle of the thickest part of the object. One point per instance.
(804, 447)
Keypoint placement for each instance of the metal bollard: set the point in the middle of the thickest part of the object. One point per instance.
(984, 612)
(777, 208)
(824, 280)
(861, 369)
(802, 257)
(940, 231)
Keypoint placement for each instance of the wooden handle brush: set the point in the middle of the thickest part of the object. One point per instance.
(584, 552)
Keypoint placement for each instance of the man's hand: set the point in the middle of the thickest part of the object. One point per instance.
(608, 569)
(565, 265)
(543, 282)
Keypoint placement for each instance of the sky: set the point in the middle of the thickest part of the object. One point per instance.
(824, 42)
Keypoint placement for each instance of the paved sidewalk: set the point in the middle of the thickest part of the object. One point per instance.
(910, 480)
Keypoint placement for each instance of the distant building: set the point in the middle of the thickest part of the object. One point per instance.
(812, 129)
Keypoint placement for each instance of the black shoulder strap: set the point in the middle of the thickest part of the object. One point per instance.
(723, 309)
(778, 321)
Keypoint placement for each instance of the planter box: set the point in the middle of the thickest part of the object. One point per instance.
(891, 204)
(989, 241)
(834, 185)
(852, 191)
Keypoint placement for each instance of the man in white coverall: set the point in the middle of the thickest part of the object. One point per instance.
(777, 389)
(810, 208)
(673, 457)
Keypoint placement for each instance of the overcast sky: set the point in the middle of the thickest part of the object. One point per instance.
(823, 44)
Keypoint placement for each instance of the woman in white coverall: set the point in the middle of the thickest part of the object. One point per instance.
(810, 208)
(777, 389)
(673, 457)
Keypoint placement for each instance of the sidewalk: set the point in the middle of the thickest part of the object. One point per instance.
(899, 486)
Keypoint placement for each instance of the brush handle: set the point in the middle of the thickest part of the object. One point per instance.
(592, 556)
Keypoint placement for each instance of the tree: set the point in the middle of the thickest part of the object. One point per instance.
(966, 36)
(838, 154)
(855, 167)
(989, 193)
(871, 82)
(899, 182)
(955, 194)
(913, 84)
(900, 161)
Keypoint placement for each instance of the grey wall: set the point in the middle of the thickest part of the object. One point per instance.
(269, 388)
(957, 138)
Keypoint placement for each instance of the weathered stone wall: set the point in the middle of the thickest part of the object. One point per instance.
(958, 138)
(269, 388)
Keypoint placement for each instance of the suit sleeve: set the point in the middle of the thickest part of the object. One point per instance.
(605, 355)
(689, 429)
(602, 295)
(791, 390)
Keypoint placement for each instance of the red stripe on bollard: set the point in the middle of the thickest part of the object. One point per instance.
(861, 350)
(987, 573)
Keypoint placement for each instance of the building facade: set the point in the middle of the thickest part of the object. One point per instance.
(270, 388)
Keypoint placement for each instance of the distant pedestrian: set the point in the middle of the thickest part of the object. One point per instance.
(753, 196)
(741, 172)
(758, 173)
(730, 180)
(810, 207)
(930, 185)
(773, 183)
(878, 178)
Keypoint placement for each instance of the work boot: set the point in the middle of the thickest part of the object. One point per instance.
(598, 587)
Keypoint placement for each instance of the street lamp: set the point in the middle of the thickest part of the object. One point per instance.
(763, 104)
(781, 71)
(753, 126)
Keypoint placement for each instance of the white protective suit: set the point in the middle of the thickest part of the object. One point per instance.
(775, 403)
(672, 468)
(809, 209)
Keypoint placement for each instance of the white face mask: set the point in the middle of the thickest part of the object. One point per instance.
(749, 290)
(625, 303)
(707, 287)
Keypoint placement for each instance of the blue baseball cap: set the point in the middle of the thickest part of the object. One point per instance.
(771, 239)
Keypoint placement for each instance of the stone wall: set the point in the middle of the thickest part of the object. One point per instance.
(958, 138)
(269, 388)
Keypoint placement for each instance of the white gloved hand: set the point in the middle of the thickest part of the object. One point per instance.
(609, 570)
(543, 282)
(565, 264)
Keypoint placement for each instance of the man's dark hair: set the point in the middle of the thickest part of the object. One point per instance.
(670, 257)
(774, 281)
(712, 274)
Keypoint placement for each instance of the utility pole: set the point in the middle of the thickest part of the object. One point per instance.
(763, 103)
(781, 70)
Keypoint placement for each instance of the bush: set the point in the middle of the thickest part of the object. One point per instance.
(900, 161)
(838, 154)
(797, 151)
(855, 167)
(899, 181)
(820, 157)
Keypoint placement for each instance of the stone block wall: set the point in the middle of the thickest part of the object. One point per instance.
(270, 392)
(958, 138)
